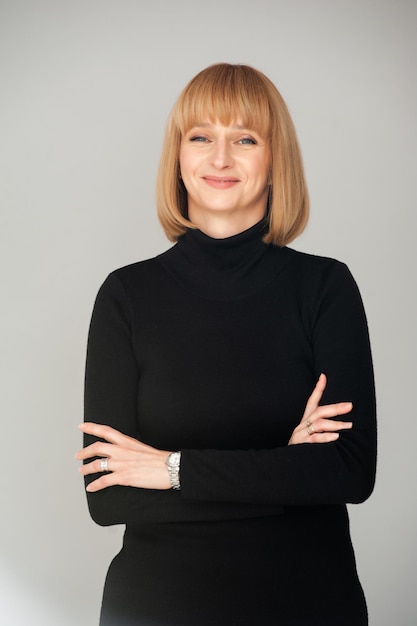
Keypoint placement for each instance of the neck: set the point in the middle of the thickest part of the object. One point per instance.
(222, 225)
(224, 268)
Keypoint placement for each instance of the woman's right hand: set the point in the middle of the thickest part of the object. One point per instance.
(315, 426)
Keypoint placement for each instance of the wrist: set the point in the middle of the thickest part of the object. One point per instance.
(172, 462)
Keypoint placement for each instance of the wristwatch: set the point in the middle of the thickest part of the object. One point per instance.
(173, 464)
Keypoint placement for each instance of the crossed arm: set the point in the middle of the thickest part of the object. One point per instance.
(135, 464)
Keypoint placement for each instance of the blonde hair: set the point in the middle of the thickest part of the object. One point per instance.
(228, 93)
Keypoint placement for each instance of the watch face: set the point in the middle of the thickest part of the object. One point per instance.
(173, 459)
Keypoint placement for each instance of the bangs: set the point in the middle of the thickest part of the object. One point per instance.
(228, 93)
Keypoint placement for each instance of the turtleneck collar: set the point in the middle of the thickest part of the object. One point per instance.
(224, 269)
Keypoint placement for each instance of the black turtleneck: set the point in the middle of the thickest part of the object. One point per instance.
(224, 269)
(213, 348)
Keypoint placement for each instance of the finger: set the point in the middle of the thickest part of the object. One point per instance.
(106, 480)
(316, 395)
(330, 410)
(111, 435)
(328, 425)
(321, 419)
(98, 448)
(95, 467)
(322, 438)
(305, 431)
(319, 437)
(103, 431)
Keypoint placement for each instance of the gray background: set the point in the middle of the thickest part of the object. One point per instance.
(86, 87)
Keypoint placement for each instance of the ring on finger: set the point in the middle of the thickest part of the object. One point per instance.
(310, 428)
(104, 464)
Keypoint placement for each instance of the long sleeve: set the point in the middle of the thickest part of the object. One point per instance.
(111, 397)
(308, 474)
(111, 382)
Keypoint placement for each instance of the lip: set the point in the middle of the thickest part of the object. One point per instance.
(221, 182)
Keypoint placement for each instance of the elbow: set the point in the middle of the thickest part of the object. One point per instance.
(361, 487)
(360, 495)
(103, 508)
(101, 519)
(101, 515)
(359, 466)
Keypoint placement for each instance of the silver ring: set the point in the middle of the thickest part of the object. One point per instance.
(104, 465)
(310, 428)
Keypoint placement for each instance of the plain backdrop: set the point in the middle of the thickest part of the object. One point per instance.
(85, 90)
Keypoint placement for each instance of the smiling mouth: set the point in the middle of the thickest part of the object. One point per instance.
(222, 179)
(220, 182)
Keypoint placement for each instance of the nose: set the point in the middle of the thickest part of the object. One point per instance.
(221, 156)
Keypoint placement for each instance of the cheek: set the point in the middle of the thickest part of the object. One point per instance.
(260, 169)
(266, 170)
(183, 159)
(261, 173)
(186, 171)
(189, 159)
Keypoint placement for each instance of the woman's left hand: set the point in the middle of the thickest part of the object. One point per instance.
(317, 424)
(129, 462)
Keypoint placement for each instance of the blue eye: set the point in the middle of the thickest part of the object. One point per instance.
(198, 138)
(247, 141)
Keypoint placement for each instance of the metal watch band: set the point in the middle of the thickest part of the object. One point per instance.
(173, 464)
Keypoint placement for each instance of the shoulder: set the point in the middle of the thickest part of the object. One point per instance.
(125, 284)
(135, 275)
(312, 262)
(321, 280)
(136, 270)
(317, 268)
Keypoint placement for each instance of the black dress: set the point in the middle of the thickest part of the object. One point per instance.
(213, 348)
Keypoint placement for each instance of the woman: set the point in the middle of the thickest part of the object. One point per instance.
(229, 388)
